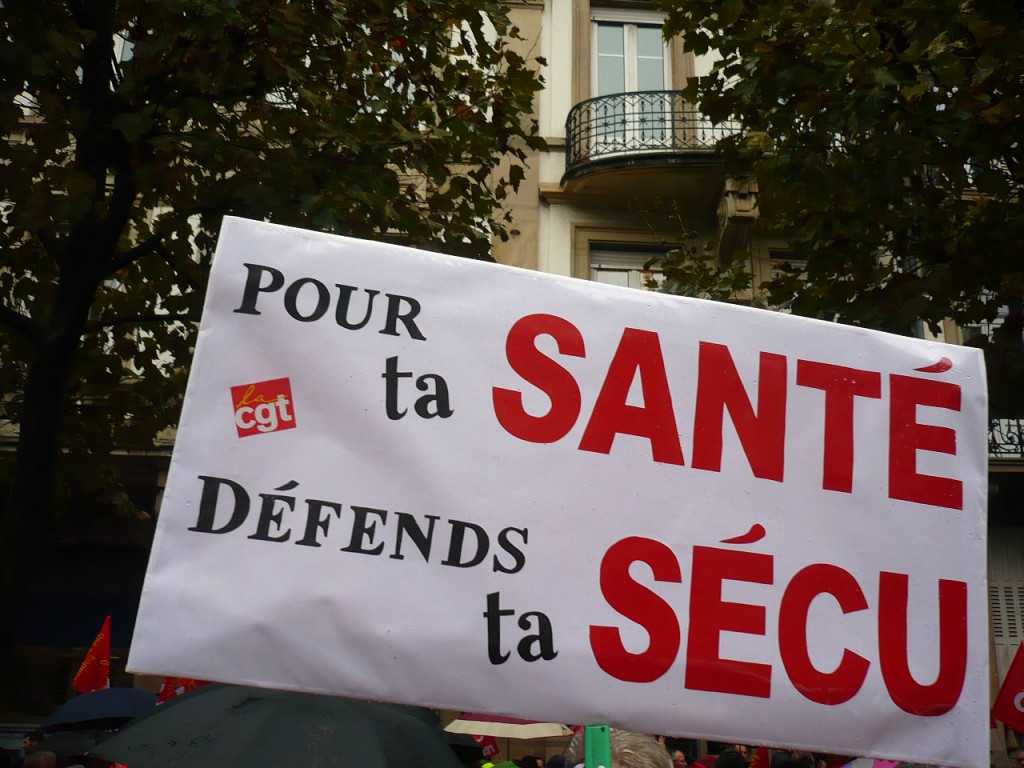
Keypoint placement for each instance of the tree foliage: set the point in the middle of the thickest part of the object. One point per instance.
(691, 266)
(692, 269)
(133, 126)
(888, 142)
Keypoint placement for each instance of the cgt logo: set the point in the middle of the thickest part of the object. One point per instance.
(265, 406)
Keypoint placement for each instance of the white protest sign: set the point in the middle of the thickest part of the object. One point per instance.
(409, 477)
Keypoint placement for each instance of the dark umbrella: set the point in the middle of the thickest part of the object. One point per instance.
(103, 709)
(72, 743)
(465, 747)
(220, 726)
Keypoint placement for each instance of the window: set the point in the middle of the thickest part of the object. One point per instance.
(629, 54)
(985, 328)
(631, 58)
(124, 49)
(1006, 595)
(781, 262)
(616, 264)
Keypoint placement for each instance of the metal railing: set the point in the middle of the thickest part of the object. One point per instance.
(1006, 438)
(641, 122)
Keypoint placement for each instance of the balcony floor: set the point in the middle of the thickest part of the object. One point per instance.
(693, 182)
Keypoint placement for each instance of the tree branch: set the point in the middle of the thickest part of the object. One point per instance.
(19, 322)
(154, 244)
(182, 269)
(49, 243)
(150, 245)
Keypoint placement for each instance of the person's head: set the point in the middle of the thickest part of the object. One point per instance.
(731, 758)
(40, 759)
(679, 758)
(30, 741)
(635, 750)
(798, 759)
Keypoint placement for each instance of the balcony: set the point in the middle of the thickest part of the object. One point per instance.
(634, 143)
(1006, 439)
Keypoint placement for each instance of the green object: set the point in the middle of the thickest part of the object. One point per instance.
(598, 746)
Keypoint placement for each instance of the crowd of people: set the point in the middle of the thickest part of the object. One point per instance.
(32, 754)
(628, 750)
(634, 750)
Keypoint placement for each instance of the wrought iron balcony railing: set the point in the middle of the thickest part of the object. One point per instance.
(1006, 438)
(642, 122)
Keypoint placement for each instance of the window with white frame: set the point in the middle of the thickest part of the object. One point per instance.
(630, 53)
(623, 264)
(630, 57)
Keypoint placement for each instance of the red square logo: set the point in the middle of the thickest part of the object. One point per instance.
(263, 407)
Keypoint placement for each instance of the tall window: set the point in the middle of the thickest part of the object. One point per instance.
(630, 58)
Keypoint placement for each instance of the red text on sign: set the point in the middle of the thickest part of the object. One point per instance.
(710, 616)
(757, 413)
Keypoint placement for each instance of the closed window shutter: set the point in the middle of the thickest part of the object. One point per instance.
(1006, 594)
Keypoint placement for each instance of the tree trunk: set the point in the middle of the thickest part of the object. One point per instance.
(28, 513)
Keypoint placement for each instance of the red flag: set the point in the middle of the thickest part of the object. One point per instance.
(175, 686)
(94, 674)
(761, 758)
(1009, 704)
(489, 744)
